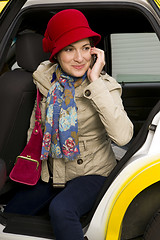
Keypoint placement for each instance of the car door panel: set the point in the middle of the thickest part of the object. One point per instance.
(138, 100)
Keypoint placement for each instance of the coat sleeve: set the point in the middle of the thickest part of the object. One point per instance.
(32, 118)
(32, 122)
(105, 96)
(42, 79)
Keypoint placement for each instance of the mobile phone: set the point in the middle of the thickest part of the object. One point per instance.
(93, 60)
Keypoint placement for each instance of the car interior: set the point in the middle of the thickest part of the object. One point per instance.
(17, 93)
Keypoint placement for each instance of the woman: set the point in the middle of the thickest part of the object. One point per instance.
(82, 113)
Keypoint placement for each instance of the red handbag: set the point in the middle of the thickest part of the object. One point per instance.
(27, 168)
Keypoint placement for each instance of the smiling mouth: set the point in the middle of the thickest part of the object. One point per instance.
(78, 67)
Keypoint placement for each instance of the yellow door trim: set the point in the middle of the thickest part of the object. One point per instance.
(157, 2)
(2, 5)
(141, 179)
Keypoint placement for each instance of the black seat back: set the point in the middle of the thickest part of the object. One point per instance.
(17, 97)
(2, 173)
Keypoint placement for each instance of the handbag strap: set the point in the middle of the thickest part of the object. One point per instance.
(38, 110)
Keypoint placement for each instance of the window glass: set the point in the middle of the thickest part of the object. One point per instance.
(135, 57)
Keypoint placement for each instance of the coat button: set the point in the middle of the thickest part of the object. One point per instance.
(80, 161)
(87, 93)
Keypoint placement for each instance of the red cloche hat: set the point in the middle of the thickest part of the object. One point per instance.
(64, 28)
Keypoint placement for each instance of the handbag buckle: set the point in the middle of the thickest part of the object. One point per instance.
(29, 159)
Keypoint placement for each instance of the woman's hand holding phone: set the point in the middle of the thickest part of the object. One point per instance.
(97, 64)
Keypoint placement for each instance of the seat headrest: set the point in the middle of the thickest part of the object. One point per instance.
(29, 51)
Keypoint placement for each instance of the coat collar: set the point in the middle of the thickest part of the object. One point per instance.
(43, 75)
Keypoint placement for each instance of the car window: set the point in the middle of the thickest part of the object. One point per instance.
(135, 57)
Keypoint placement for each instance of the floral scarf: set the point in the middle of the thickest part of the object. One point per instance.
(60, 138)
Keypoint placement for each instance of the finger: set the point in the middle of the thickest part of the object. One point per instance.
(99, 53)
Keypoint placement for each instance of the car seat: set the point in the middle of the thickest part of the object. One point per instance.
(2, 173)
(17, 97)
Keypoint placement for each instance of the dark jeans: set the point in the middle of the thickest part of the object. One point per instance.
(66, 205)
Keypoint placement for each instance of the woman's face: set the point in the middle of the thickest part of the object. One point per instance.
(75, 59)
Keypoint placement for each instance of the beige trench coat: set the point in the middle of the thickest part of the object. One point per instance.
(101, 119)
